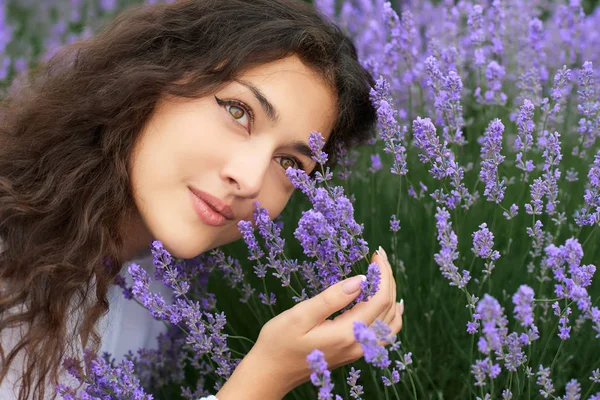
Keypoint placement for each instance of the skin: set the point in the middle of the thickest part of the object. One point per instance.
(219, 149)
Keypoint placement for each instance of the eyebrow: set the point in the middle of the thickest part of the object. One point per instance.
(302, 148)
(266, 105)
(273, 115)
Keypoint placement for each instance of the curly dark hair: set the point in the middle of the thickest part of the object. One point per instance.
(67, 134)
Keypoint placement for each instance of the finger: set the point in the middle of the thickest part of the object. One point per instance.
(395, 312)
(391, 314)
(310, 313)
(392, 287)
(355, 351)
(396, 324)
(368, 311)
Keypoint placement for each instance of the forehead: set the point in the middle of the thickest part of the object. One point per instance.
(303, 101)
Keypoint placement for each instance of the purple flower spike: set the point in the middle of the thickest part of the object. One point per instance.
(104, 380)
(375, 163)
(371, 285)
(321, 376)
(590, 213)
(426, 139)
(494, 324)
(483, 241)
(316, 143)
(524, 305)
(545, 381)
(247, 231)
(394, 224)
(448, 254)
(356, 390)
(491, 159)
(589, 106)
(512, 212)
(374, 354)
(390, 131)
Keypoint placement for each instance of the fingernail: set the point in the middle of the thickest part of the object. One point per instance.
(351, 285)
(401, 301)
(383, 253)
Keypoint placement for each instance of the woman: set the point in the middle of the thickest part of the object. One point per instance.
(169, 125)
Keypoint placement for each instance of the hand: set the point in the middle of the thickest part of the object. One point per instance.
(277, 362)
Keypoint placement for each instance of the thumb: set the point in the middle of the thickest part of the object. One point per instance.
(316, 309)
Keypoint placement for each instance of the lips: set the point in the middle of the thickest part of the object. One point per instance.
(214, 203)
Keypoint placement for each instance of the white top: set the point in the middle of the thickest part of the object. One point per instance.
(127, 326)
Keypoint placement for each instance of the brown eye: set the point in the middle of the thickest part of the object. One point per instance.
(241, 113)
(287, 163)
(236, 112)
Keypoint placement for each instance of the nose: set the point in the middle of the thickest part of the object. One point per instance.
(245, 169)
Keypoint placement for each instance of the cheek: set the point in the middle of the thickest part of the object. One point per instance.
(275, 197)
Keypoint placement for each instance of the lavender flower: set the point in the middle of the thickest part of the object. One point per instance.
(482, 369)
(538, 190)
(271, 233)
(104, 380)
(407, 44)
(590, 214)
(552, 157)
(496, 27)
(356, 390)
(477, 34)
(572, 175)
(395, 378)
(394, 224)
(267, 299)
(442, 162)
(537, 234)
(494, 74)
(326, 7)
(321, 376)
(494, 324)
(316, 143)
(523, 300)
(564, 330)
(483, 241)
(375, 163)
(572, 390)
(371, 285)
(514, 357)
(329, 233)
(545, 381)
(491, 159)
(572, 285)
(560, 89)
(390, 132)
(254, 248)
(512, 212)
(154, 302)
(473, 326)
(448, 253)
(595, 376)
(524, 141)
(447, 90)
(426, 139)
(589, 106)
(373, 353)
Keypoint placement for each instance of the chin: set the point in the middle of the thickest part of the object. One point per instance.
(181, 245)
(180, 250)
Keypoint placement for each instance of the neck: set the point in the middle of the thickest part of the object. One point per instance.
(136, 238)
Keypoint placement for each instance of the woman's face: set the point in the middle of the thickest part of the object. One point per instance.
(228, 149)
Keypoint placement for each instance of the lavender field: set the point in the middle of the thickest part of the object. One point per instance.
(483, 186)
